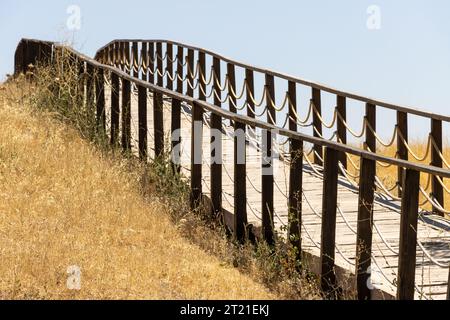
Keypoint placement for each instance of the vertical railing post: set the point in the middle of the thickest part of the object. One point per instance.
(126, 115)
(169, 66)
(151, 62)
(190, 69)
(329, 207)
(250, 90)
(370, 118)
(115, 110)
(158, 108)
(201, 76)
(135, 61)
(364, 227)
(100, 100)
(317, 124)
(408, 235)
(196, 155)
(267, 166)
(144, 61)
(295, 177)
(142, 119)
(216, 143)
(341, 109)
(127, 57)
(231, 75)
(176, 113)
(240, 182)
(437, 191)
(402, 139)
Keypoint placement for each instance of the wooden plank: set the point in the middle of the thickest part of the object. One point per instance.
(364, 228)
(250, 91)
(328, 229)
(135, 60)
(196, 156)
(159, 64)
(115, 110)
(176, 113)
(240, 182)
(437, 190)
(341, 108)
(151, 63)
(201, 76)
(402, 151)
(317, 124)
(408, 235)
(144, 58)
(126, 115)
(216, 145)
(158, 123)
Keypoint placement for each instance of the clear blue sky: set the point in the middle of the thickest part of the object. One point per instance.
(407, 61)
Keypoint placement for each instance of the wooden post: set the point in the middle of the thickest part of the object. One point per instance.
(364, 228)
(231, 86)
(267, 167)
(158, 108)
(196, 156)
(126, 48)
(249, 78)
(135, 60)
(402, 151)
(317, 124)
(176, 112)
(295, 177)
(370, 143)
(144, 59)
(408, 235)
(240, 182)
(341, 129)
(159, 64)
(100, 99)
(142, 119)
(169, 66)
(115, 110)
(126, 115)
(437, 190)
(329, 207)
(90, 87)
(216, 153)
(201, 76)
(151, 62)
(190, 73)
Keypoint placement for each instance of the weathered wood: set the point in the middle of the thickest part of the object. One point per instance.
(126, 115)
(240, 182)
(370, 143)
(127, 57)
(250, 91)
(295, 196)
(328, 232)
(341, 108)
(169, 66)
(142, 121)
(100, 100)
(135, 61)
(402, 151)
(176, 113)
(158, 123)
(437, 191)
(201, 76)
(364, 228)
(196, 156)
(115, 109)
(190, 73)
(216, 146)
(292, 92)
(151, 62)
(159, 64)
(144, 58)
(408, 235)
(90, 87)
(317, 124)
(267, 187)
(231, 75)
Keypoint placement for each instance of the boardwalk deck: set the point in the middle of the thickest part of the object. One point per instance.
(433, 233)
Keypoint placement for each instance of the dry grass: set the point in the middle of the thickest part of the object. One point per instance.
(63, 203)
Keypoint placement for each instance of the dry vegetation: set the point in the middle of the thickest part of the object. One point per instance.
(67, 199)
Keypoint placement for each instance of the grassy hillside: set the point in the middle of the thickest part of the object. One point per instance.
(64, 203)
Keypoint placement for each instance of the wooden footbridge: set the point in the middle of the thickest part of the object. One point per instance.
(246, 157)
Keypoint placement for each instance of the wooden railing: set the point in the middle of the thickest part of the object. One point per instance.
(141, 63)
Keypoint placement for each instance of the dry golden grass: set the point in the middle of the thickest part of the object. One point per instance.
(389, 174)
(63, 203)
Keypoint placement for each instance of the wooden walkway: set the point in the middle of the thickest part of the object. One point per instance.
(433, 233)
